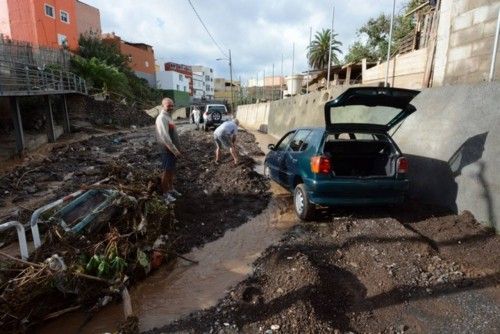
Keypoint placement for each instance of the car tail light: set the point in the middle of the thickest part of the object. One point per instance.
(402, 165)
(320, 165)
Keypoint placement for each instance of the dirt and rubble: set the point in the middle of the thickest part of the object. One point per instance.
(107, 113)
(410, 269)
(216, 198)
(406, 269)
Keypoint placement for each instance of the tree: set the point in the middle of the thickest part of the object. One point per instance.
(105, 67)
(357, 52)
(375, 33)
(319, 49)
(92, 46)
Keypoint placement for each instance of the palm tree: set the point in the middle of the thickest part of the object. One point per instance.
(318, 50)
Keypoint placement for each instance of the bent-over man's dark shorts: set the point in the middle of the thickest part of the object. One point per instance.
(223, 141)
(168, 160)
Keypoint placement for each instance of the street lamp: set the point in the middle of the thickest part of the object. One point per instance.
(231, 77)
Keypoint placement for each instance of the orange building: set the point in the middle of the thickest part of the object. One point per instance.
(49, 23)
(141, 57)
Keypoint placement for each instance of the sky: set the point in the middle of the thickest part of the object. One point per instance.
(258, 32)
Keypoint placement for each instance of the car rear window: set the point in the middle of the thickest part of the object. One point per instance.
(341, 136)
(363, 114)
(220, 109)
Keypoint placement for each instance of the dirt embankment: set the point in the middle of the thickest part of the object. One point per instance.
(107, 113)
(406, 270)
(216, 197)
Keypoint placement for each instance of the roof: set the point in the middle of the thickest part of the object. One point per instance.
(137, 44)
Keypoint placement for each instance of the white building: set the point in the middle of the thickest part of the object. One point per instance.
(171, 80)
(203, 82)
(198, 86)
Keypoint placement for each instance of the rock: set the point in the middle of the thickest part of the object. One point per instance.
(31, 189)
(275, 327)
(269, 331)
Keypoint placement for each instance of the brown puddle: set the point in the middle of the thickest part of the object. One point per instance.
(170, 294)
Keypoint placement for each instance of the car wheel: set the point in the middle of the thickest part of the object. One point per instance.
(303, 208)
(216, 116)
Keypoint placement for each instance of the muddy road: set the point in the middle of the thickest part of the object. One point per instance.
(410, 269)
(413, 269)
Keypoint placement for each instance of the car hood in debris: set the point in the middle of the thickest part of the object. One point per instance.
(376, 108)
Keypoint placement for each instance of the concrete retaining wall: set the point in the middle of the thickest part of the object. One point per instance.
(405, 71)
(280, 116)
(453, 142)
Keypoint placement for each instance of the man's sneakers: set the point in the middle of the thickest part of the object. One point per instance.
(175, 193)
(168, 198)
(171, 196)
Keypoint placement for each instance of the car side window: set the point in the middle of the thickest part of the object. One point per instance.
(283, 143)
(299, 142)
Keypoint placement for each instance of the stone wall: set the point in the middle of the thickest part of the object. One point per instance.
(465, 41)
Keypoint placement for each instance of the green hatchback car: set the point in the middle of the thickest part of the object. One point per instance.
(352, 160)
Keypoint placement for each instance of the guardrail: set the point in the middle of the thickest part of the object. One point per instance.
(17, 79)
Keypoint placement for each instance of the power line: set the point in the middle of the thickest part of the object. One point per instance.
(206, 29)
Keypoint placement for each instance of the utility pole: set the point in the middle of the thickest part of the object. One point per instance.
(389, 46)
(330, 52)
(309, 61)
(272, 87)
(231, 78)
(257, 87)
(293, 65)
(281, 78)
(264, 85)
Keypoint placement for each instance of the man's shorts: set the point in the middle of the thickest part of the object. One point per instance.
(168, 160)
(222, 141)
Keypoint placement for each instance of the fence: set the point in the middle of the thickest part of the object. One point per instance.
(23, 52)
(17, 79)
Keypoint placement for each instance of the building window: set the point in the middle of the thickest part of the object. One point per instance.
(62, 40)
(146, 63)
(64, 16)
(178, 87)
(49, 11)
(184, 88)
(180, 77)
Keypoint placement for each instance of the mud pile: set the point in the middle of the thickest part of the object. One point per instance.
(216, 197)
(109, 113)
(412, 269)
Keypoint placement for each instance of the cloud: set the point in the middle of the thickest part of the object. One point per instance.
(257, 32)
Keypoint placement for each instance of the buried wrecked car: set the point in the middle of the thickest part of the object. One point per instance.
(352, 160)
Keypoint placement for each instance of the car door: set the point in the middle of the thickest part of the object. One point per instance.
(275, 156)
(290, 163)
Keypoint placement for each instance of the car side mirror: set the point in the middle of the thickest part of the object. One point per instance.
(271, 147)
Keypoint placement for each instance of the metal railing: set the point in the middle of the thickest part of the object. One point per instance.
(18, 79)
(27, 53)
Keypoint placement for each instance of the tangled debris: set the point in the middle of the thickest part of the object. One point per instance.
(134, 235)
(128, 240)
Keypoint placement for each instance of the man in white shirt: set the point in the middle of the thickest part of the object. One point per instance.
(168, 140)
(196, 117)
(225, 137)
